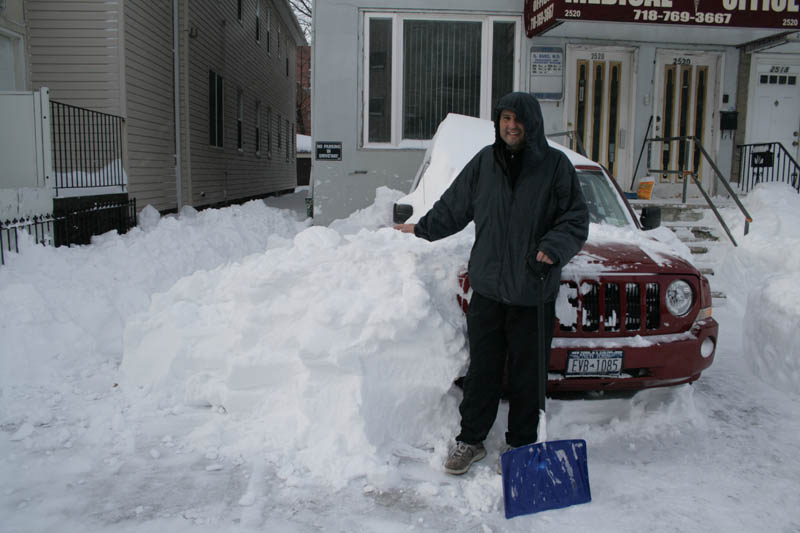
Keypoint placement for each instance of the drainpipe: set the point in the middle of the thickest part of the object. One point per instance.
(176, 68)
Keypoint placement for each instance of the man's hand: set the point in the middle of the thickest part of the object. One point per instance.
(541, 257)
(406, 228)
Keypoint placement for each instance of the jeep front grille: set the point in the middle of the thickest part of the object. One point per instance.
(612, 307)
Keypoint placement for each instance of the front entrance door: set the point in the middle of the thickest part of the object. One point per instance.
(775, 115)
(684, 104)
(600, 100)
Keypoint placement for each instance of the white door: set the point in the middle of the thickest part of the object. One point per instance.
(684, 105)
(776, 106)
(599, 103)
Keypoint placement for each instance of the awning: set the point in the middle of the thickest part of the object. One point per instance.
(725, 22)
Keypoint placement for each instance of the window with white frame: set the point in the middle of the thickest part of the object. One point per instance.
(419, 67)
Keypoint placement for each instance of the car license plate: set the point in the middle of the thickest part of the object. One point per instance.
(594, 363)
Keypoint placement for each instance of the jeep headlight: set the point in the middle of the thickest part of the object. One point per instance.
(679, 297)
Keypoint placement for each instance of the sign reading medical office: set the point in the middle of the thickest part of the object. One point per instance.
(541, 15)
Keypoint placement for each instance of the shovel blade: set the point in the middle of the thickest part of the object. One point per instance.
(546, 475)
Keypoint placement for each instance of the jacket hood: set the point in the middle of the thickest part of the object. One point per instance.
(528, 111)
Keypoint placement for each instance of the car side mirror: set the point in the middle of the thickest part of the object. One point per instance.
(401, 213)
(651, 217)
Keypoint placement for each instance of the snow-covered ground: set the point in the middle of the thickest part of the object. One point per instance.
(240, 370)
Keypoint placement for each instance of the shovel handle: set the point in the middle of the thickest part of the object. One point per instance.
(541, 270)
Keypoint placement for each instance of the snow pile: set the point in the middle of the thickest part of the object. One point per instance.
(83, 295)
(337, 348)
(267, 363)
(376, 216)
(761, 278)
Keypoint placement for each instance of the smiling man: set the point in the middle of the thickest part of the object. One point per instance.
(528, 209)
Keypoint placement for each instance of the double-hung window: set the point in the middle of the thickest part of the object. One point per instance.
(215, 99)
(420, 67)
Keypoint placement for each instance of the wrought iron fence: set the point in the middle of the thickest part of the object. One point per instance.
(87, 147)
(766, 162)
(75, 227)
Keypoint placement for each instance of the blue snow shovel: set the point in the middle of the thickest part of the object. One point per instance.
(544, 475)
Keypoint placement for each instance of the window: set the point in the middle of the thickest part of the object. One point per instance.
(268, 24)
(258, 128)
(279, 42)
(239, 119)
(258, 20)
(215, 132)
(239, 10)
(269, 132)
(419, 68)
(288, 141)
(280, 133)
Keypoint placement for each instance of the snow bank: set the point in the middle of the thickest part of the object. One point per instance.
(338, 348)
(83, 295)
(761, 279)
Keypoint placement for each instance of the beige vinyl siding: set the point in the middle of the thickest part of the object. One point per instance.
(150, 111)
(231, 50)
(75, 50)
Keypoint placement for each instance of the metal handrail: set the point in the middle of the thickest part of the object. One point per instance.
(747, 218)
(572, 135)
(774, 164)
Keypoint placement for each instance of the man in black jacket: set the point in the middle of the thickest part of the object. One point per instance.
(528, 208)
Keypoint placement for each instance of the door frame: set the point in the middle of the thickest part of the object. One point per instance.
(625, 162)
(18, 50)
(791, 60)
(714, 99)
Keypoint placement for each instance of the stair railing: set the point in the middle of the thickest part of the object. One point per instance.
(766, 162)
(693, 175)
(574, 140)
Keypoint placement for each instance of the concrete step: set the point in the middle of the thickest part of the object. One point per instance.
(692, 233)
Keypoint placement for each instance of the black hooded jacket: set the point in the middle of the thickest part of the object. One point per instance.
(543, 209)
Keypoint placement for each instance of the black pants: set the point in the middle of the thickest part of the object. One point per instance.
(497, 331)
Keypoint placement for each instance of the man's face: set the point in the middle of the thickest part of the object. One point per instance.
(511, 130)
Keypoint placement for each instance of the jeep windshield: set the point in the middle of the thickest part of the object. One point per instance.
(602, 199)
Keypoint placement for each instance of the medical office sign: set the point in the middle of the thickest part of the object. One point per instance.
(541, 15)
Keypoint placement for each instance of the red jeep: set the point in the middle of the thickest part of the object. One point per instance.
(631, 313)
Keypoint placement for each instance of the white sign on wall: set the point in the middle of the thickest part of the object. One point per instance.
(547, 72)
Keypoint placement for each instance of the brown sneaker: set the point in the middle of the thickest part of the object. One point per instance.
(461, 457)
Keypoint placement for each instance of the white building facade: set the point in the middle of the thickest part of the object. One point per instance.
(385, 73)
